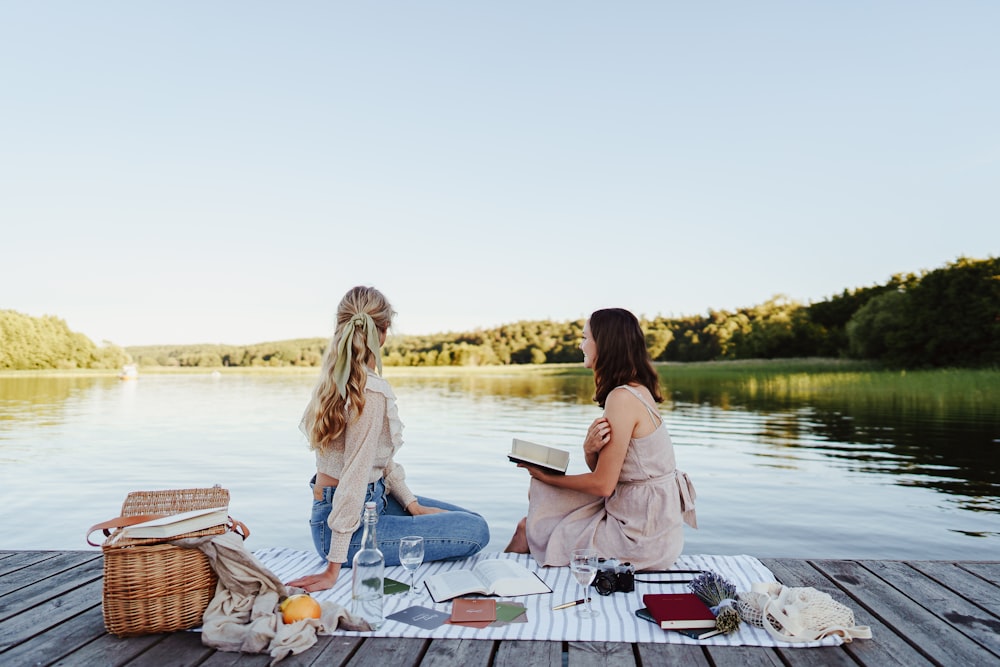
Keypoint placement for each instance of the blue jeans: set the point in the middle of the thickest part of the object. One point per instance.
(451, 535)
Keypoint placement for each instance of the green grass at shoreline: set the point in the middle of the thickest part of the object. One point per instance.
(700, 367)
(820, 370)
(826, 371)
(820, 381)
(964, 393)
(163, 370)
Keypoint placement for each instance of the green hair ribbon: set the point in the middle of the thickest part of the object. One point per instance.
(342, 367)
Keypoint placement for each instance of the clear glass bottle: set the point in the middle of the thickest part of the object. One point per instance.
(368, 572)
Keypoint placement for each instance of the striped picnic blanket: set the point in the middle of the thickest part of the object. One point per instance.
(617, 621)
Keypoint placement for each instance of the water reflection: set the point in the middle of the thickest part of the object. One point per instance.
(559, 387)
(783, 465)
(948, 441)
(40, 399)
(44, 418)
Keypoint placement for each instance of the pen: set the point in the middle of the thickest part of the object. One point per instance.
(568, 604)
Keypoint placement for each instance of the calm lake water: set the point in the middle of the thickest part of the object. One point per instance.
(796, 474)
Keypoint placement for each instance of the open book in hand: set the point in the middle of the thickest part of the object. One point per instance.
(547, 458)
(177, 524)
(487, 577)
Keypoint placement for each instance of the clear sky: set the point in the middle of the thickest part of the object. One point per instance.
(222, 172)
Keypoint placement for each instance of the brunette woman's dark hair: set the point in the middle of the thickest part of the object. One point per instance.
(622, 356)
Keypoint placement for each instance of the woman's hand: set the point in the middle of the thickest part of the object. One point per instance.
(598, 435)
(416, 509)
(536, 472)
(318, 582)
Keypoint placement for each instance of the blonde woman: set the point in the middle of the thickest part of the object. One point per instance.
(353, 425)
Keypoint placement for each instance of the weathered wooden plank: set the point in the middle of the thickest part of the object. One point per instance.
(384, 651)
(886, 647)
(50, 566)
(933, 636)
(57, 641)
(922, 612)
(48, 613)
(521, 653)
(989, 572)
(819, 656)
(108, 651)
(736, 656)
(48, 589)
(231, 658)
(329, 651)
(962, 615)
(175, 649)
(600, 654)
(679, 654)
(448, 652)
(966, 584)
(20, 559)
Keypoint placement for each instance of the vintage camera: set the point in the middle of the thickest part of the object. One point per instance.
(614, 577)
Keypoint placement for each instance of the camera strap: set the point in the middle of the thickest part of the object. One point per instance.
(668, 581)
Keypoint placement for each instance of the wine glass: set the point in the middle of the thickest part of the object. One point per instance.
(583, 563)
(411, 555)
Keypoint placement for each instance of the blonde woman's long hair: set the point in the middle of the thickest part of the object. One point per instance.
(332, 405)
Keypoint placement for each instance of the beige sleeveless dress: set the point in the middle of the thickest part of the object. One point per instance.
(640, 522)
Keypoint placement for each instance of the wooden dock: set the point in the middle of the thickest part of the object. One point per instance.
(920, 613)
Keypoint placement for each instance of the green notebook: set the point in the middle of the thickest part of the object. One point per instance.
(507, 612)
(391, 586)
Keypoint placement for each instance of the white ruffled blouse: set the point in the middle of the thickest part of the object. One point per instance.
(360, 456)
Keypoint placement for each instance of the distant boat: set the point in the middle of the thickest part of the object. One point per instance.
(129, 372)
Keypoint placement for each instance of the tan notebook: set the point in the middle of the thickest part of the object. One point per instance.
(473, 612)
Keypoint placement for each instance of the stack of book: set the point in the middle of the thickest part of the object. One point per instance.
(681, 612)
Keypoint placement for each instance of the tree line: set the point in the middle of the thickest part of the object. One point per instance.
(38, 343)
(947, 317)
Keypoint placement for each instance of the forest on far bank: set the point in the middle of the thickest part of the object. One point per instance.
(946, 317)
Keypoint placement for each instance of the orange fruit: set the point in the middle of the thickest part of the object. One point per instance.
(297, 607)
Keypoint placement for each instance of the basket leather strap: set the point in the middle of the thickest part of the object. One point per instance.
(120, 522)
(239, 528)
(232, 524)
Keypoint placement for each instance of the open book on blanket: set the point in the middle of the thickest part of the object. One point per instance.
(547, 458)
(487, 577)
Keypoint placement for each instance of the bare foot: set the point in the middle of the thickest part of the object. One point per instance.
(519, 541)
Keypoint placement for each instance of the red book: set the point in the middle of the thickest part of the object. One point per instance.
(679, 611)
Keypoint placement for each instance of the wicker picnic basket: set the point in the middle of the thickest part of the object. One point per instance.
(150, 586)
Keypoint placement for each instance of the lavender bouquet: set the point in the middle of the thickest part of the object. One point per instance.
(720, 596)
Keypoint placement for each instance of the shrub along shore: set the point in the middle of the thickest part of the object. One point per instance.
(945, 318)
